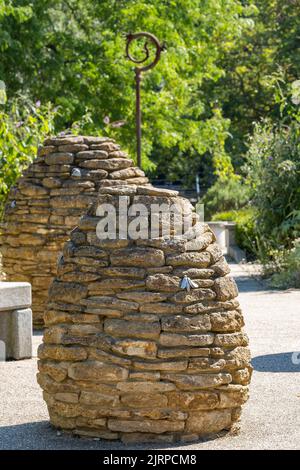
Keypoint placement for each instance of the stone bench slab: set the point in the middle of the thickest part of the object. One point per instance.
(15, 320)
(14, 295)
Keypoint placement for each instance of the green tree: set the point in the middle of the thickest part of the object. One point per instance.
(261, 57)
(23, 126)
(71, 52)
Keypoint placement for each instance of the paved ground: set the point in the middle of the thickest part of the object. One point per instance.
(271, 418)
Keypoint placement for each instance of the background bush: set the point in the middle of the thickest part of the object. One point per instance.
(288, 268)
(225, 195)
(273, 171)
(23, 126)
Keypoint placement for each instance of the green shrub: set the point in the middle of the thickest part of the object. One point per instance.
(225, 195)
(23, 126)
(288, 267)
(273, 169)
(245, 233)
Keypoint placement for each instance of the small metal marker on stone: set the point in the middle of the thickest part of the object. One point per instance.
(138, 71)
(76, 172)
(187, 283)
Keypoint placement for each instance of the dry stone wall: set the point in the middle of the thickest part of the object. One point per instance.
(127, 353)
(47, 201)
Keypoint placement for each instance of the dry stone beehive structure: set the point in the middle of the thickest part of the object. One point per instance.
(48, 200)
(127, 353)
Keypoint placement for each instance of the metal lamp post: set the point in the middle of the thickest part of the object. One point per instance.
(138, 71)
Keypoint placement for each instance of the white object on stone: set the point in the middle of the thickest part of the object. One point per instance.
(76, 172)
(188, 284)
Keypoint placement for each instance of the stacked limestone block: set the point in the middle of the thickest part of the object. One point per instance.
(47, 202)
(127, 353)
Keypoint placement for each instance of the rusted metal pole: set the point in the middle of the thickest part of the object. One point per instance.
(138, 76)
(138, 117)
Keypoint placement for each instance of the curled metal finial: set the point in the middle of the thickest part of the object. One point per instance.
(149, 38)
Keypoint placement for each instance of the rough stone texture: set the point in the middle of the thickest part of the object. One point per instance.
(47, 202)
(154, 362)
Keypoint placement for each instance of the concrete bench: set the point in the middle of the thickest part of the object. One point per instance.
(15, 320)
(225, 235)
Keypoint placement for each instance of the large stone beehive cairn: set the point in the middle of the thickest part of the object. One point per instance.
(47, 202)
(127, 353)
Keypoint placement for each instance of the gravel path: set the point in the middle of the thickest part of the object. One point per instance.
(270, 420)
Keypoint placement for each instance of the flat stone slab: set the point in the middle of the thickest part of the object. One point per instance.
(15, 320)
(14, 295)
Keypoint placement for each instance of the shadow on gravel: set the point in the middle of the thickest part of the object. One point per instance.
(281, 362)
(249, 284)
(40, 435)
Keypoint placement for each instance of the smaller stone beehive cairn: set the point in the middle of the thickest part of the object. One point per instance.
(128, 354)
(47, 202)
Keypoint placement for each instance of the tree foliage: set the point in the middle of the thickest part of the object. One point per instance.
(261, 58)
(218, 75)
(273, 170)
(23, 126)
(71, 52)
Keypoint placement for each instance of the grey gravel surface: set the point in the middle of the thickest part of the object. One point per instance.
(270, 419)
